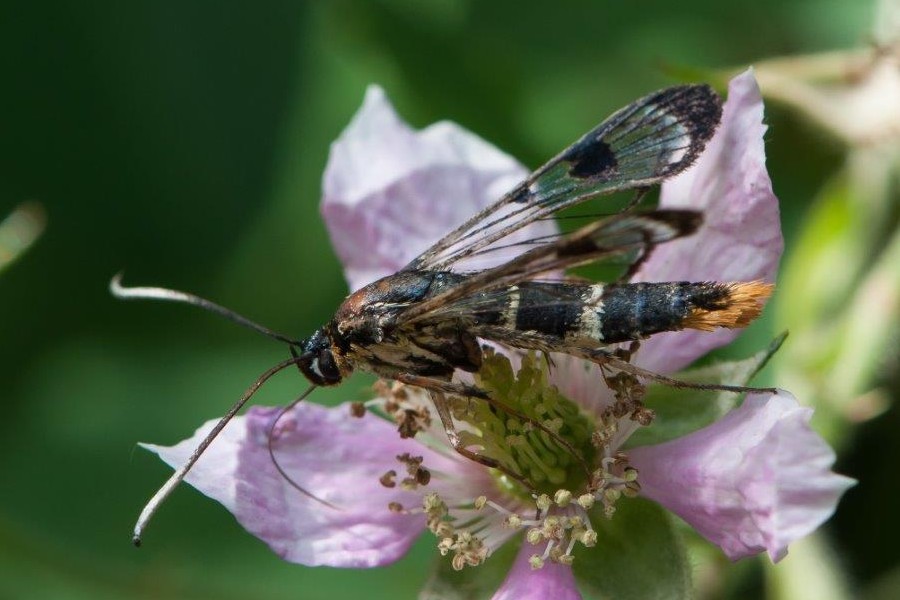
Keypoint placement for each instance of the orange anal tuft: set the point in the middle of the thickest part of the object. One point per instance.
(743, 304)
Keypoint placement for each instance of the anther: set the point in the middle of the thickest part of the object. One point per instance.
(543, 502)
(387, 480)
(423, 476)
(445, 545)
(512, 521)
(458, 562)
(432, 503)
(534, 536)
(562, 498)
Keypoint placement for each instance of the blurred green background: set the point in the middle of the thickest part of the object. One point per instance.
(185, 142)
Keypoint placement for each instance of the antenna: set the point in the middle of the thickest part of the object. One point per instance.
(178, 476)
(278, 467)
(158, 293)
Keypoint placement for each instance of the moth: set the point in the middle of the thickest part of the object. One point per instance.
(424, 323)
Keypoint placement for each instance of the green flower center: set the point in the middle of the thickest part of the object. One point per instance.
(550, 448)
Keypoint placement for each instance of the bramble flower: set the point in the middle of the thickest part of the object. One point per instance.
(753, 481)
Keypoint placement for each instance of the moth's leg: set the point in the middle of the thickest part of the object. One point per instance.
(606, 358)
(440, 385)
(470, 391)
(626, 353)
(622, 353)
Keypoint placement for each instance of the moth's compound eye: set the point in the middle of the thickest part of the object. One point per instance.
(320, 367)
(326, 368)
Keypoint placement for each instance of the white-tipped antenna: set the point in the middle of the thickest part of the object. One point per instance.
(153, 505)
(157, 293)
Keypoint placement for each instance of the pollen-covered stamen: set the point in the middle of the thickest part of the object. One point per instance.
(418, 475)
(393, 390)
(412, 421)
(465, 531)
(624, 416)
(407, 409)
(388, 479)
(628, 391)
(556, 520)
(614, 479)
(560, 528)
(562, 498)
(468, 548)
(538, 445)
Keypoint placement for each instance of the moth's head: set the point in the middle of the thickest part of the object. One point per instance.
(317, 360)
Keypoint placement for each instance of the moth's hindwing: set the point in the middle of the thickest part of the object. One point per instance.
(605, 238)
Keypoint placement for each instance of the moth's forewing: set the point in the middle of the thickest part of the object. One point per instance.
(651, 139)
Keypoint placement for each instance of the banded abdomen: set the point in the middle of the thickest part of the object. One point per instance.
(557, 315)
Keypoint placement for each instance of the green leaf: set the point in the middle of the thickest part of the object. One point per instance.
(813, 569)
(813, 291)
(472, 583)
(682, 411)
(639, 554)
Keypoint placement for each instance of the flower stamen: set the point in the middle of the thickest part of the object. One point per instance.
(558, 519)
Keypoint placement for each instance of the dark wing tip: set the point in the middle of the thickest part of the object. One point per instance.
(651, 139)
(697, 107)
(698, 104)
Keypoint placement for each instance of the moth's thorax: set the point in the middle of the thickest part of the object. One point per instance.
(370, 313)
(369, 333)
(390, 294)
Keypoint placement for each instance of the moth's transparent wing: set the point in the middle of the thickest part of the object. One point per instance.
(642, 144)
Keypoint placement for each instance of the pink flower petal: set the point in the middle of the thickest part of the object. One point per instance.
(390, 192)
(741, 236)
(582, 382)
(335, 457)
(524, 583)
(754, 481)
